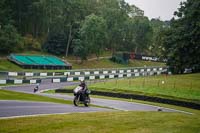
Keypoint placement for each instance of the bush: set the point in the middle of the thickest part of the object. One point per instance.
(31, 43)
(55, 44)
(10, 40)
(120, 57)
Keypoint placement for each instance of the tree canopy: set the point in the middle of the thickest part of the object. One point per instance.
(84, 27)
(101, 24)
(181, 40)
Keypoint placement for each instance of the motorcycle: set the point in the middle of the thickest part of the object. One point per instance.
(81, 96)
(35, 89)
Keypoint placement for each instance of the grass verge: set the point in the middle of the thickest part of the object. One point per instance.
(106, 63)
(137, 101)
(105, 122)
(178, 87)
(6, 65)
(11, 95)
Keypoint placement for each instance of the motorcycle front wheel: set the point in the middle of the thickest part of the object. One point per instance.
(76, 100)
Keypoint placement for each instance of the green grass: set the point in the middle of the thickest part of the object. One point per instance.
(105, 122)
(108, 122)
(106, 63)
(6, 65)
(133, 100)
(11, 95)
(181, 87)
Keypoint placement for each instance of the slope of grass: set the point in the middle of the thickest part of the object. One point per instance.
(6, 65)
(184, 87)
(105, 122)
(10, 95)
(106, 63)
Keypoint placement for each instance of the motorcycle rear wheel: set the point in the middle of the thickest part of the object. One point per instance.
(87, 102)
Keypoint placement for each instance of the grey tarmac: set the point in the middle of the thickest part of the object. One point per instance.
(11, 108)
(60, 108)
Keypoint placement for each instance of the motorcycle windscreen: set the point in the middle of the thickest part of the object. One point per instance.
(77, 89)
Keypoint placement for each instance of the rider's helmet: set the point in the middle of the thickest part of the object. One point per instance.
(82, 81)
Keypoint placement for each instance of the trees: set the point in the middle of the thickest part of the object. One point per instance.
(182, 42)
(138, 34)
(92, 25)
(115, 15)
(93, 34)
(55, 43)
(73, 14)
(159, 27)
(79, 50)
(10, 40)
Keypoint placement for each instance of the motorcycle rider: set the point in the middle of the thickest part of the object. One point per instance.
(81, 94)
(84, 88)
(37, 87)
(82, 84)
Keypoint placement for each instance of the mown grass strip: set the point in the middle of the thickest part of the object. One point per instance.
(105, 122)
(6, 65)
(11, 95)
(181, 87)
(175, 87)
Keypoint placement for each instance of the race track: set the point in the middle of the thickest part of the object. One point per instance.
(21, 108)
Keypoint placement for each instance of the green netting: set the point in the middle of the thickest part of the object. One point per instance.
(23, 59)
(38, 60)
(55, 60)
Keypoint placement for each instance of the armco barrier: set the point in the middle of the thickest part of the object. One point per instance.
(86, 72)
(87, 75)
(19, 81)
(139, 97)
(104, 76)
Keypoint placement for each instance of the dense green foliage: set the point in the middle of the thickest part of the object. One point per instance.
(55, 44)
(93, 34)
(10, 40)
(181, 41)
(85, 27)
(78, 27)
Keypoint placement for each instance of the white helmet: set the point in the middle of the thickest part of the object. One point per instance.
(82, 80)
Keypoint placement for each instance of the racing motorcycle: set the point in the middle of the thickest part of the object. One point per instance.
(35, 89)
(81, 96)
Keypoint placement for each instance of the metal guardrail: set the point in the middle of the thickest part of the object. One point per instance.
(80, 72)
(91, 75)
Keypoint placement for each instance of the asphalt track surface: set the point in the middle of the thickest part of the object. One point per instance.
(21, 108)
(24, 108)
